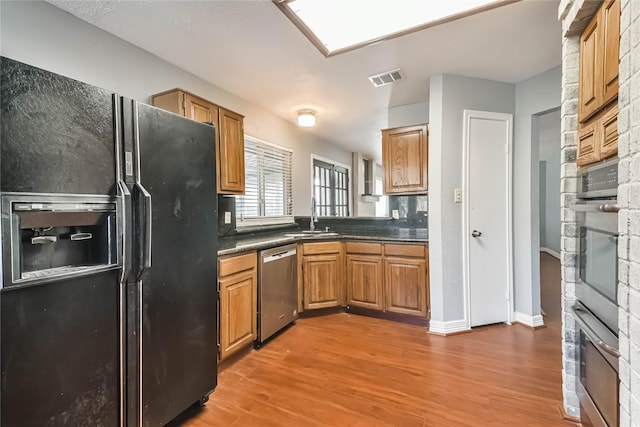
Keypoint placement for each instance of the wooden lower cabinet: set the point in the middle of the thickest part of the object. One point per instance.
(387, 277)
(323, 275)
(406, 285)
(364, 275)
(364, 281)
(390, 277)
(322, 281)
(238, 303)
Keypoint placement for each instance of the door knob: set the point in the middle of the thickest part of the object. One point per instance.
(476, 233)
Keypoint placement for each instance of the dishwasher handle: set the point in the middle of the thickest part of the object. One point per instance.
(278, 256)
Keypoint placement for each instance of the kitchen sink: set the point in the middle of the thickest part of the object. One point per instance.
(309, 233)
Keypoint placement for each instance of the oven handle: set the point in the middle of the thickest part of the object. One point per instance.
(608, 208)
(603, 207)
(591, 333)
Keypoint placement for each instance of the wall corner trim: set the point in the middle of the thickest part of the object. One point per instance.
(532, 321)
(550, 252)
(447, 328)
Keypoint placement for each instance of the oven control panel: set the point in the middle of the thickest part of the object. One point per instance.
(600, 180)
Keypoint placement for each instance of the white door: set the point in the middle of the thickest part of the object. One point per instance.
(487, 225)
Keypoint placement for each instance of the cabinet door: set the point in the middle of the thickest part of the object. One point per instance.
(364, 281)
(199, 110)
(405, 160)
(405, 286)
(590, 79)
(610, 22)
(322, 286)
(609, 129)
(238, 314)
(230, 153)
(588, 145)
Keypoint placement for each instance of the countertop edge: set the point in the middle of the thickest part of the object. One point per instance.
(271, 242)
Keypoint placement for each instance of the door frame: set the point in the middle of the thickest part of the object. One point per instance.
(468, 116)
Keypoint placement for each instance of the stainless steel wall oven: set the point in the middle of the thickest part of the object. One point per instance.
(596, 311)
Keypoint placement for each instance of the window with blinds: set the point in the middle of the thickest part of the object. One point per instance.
(268, 197)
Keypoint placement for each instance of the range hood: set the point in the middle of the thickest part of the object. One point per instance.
(370, 171)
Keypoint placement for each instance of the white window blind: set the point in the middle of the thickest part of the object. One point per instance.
(268, 194)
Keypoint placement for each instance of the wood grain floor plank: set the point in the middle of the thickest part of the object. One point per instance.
(349, 370)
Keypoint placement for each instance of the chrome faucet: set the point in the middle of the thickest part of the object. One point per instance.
(314, 215)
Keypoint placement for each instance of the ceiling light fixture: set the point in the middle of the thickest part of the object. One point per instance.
(306, 118)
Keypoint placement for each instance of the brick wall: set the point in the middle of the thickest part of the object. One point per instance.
(575, 14)
(629, 217)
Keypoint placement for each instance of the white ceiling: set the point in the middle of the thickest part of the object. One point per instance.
(252, 50)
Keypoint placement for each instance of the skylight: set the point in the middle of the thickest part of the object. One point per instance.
(336, 26)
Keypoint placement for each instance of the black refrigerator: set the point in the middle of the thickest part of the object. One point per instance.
(108, 305)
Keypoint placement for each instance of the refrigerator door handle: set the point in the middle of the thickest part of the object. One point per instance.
(125, 209)
(146, 254)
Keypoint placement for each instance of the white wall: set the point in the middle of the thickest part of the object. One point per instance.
(42, 35)
(449, 96)
(536, 95)
(407, 115)
(546, 134)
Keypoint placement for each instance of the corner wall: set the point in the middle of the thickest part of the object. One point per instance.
(535, 95)
(39, 34)
(449, 97)
(575, 15)
(629, 217)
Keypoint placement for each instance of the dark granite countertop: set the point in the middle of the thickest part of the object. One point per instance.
(244, 243)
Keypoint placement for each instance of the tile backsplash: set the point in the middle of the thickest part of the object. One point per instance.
(412, 215)
(412, 210)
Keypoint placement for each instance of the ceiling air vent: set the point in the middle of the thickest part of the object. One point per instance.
(385, 78)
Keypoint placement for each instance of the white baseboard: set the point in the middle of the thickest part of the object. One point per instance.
(527, 320)
(446, 328)
(550, 252)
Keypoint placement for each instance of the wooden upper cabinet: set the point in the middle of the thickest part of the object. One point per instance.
(590, 70)
(611, 42)
(599, 59)
(230, 157)
(598, 86)
(229, 134)
(200, 110)
(405, 160)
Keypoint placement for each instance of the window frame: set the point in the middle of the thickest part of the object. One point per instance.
(315, 157)
(255, 221)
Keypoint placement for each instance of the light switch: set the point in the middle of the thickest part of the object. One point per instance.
(457, 195)
(227, 217)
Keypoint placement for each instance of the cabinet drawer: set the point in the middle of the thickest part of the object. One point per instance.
(588, 145)
(364, 248)
(321, 248)
(404, 250)
(237, 264)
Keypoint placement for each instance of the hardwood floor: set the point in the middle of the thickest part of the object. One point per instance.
(350, 370)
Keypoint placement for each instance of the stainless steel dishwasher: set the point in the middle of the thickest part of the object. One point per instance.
(277, 291)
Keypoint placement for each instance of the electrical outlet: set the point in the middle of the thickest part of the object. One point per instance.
(395, 214)
(457, 195)
(227, 217)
